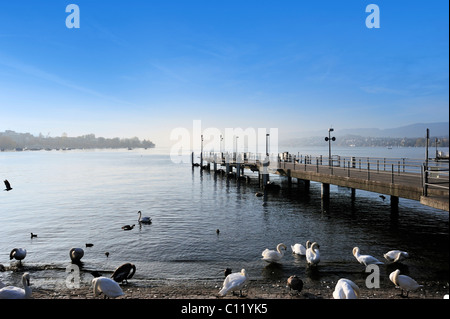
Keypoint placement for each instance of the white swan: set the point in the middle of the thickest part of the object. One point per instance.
(11, 292)
(404, 282)
(107, 286)
(366, 259)
(234, 281)
(18, 254)
(144, 220)
(346, 289)
(299, 249)
(313, 254)
(76, 254)
(396, 255)
(272, 255)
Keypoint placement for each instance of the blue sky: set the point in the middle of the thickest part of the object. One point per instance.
(143, 68)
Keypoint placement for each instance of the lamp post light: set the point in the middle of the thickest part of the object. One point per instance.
(235, 153)
(220, 147)
(201, 152)
(329, 139)
(267, 144)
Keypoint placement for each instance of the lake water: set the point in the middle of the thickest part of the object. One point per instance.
(70, 198)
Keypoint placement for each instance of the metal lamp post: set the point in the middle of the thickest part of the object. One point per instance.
(329, 139)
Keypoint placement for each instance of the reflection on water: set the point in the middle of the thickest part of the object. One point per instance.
(78, 197)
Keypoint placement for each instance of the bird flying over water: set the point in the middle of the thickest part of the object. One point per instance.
(7, 185)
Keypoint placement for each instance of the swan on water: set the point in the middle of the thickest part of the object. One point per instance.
(11, 292)
(313, 254)
(234, 281)
(128, 227)
(366, 259)
(405, 283)
(124, 272)
(18, 254)
(76, 254)
(396, 255)
(107, 286)
(299, 249)
(346, 289)
(272, 255)
(144, 220)
(293, 282)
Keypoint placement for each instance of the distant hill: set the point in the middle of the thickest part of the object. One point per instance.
(417, 130)
(413, 135)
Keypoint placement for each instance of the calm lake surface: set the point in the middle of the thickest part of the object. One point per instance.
(70, 198)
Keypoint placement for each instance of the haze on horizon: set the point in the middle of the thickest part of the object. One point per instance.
(145, 68)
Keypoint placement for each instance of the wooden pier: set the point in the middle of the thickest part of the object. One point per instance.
(423, 181)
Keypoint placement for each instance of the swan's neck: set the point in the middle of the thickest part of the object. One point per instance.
(313, 250)
(26, 287)
(395, 277)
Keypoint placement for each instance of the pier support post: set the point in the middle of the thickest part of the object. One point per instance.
(325, 191)
(307, 184)
(394, 205)
(353, 196)
(289, 177)
(238, 170)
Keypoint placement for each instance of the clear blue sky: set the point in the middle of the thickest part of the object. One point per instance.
(143, 68)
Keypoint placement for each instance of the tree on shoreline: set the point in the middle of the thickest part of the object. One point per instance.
(11, 140)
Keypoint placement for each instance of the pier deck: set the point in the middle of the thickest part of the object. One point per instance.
(398, 178)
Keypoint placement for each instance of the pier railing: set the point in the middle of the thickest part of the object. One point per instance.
(390, 170)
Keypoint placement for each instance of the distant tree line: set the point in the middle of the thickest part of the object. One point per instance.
(12, 140)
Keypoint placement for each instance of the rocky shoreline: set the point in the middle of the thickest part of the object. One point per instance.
(254, 289)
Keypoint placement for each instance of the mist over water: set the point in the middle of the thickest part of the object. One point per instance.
(70, 198)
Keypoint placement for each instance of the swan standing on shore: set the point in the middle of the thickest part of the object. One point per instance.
(76, 254)
(11, 292)
(366, 259)
(313, 254)
(273, 256)
(107, 286)
(396, 255)
(18, 254)
(124, 272)
(404, 282)
(346, 289)
(144, 220)
(234, 281)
